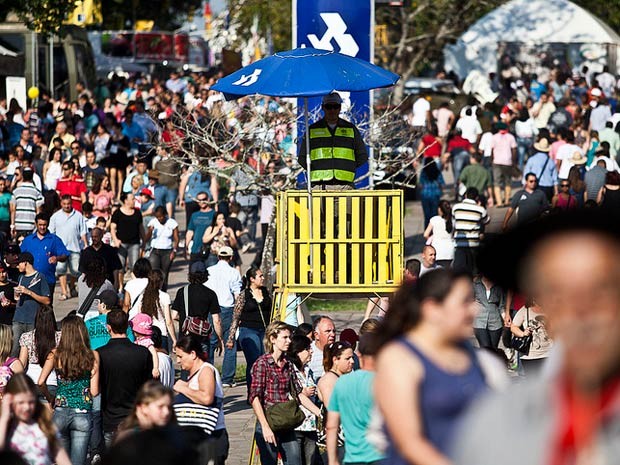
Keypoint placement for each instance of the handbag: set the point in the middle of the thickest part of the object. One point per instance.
(286, 416)
(189, 413)
(195, 325)
(522, 344)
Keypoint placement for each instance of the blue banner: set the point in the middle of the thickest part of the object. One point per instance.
(345, 26)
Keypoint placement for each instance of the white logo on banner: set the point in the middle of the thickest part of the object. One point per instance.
(249, 79)
(336, 30)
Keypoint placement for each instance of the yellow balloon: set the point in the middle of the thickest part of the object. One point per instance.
(33, 92)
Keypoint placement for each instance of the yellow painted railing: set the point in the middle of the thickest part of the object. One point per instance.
(356, 245)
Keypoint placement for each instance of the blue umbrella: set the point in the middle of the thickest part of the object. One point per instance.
(304, 72)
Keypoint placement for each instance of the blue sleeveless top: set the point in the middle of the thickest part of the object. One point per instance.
(444, 397)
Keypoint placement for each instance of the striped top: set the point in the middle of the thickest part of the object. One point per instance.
(469, 219)
(27, 199)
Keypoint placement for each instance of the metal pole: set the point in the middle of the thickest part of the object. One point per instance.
(308, 171)
(51, 67)
(34, 59)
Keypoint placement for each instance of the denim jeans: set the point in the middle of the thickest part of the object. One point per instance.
(165, 195)
(74, 427)
(96, 445)
(160, 260)
(287, 445)
(249, 219)
(18, 330)
(128, 254)
(429, 207)
(523, 145)
(229, 365)
(460, 159)
(251, 342)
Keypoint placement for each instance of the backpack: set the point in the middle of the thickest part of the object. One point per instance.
(6, 373)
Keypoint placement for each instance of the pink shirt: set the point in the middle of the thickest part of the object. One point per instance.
(553, 151)
(502, 145)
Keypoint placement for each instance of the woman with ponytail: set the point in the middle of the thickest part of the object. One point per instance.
(438, 233)
(427, 373)
(156, 304)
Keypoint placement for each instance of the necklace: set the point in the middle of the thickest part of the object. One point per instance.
(337, 375)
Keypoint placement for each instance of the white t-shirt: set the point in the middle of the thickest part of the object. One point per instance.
(424, 270)
(162, 233)
(470, 128)
(442, 239)
(420, 108)
(565, 154)
(166, 370)
(135, 288)
(160, 320)
(485, 144)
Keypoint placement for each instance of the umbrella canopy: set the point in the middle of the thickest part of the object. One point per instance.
(304, 72)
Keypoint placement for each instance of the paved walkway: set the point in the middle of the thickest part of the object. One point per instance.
(239, 416)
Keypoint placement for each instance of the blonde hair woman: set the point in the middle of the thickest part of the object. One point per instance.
(272, 375)
(8, 365)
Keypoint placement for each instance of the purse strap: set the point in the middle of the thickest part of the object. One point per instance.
(291, 382)
(88, 301)
(186, 300)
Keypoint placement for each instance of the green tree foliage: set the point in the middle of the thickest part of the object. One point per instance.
(274, 17)
(45, 16)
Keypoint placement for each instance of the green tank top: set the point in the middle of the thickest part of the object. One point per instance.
(74, 393)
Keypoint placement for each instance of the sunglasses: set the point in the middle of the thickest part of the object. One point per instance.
(564, 185)
(66, 168)
(339, 345)
(331, 106)
(202, 200)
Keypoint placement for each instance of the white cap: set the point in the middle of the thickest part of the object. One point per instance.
(334, 97)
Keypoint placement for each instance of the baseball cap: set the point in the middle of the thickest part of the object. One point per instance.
(109, 298)
(225, 252)
(146, 191)
(142, 324)
(596, 92)
(334, 97)
(26, 257)
(349, 335)
(197, 267)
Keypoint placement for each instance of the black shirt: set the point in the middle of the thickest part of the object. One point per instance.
(127, 226)
(124, 368)
(201, 301)
(109, 255)
(531, 205)
(251, 314)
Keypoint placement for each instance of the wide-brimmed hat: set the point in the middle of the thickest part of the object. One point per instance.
(542, 145)
(502, 257)
(122, 98)
(578, 159)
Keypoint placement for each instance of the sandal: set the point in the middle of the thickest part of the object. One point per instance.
(63, 297)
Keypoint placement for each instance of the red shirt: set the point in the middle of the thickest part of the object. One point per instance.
(432, 146)
(458, 142)
(74, 187)
(270, 383)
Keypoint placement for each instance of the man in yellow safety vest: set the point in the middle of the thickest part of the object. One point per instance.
(336, 148)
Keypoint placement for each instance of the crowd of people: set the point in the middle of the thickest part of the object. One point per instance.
(89, 191)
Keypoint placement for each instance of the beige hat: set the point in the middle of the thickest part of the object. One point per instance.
(578, 159)
(542, 145)
(225, 252)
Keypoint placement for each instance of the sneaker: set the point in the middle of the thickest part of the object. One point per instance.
(229, 385)
(96, 460)
(247, 247)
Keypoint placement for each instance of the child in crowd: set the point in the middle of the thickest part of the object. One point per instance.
(29, 431)
(142, 326)
(103, 225)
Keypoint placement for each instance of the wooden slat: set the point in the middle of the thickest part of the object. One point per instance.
(316, 234)
(330, 237)
(342, 241)
(355, 240)
(382, 235)
(397, 235)
(303, 263)
(368, 234)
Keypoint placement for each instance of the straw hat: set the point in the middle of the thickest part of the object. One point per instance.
(578, 159)
(542, 145)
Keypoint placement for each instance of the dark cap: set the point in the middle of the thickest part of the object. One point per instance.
(197, 267)
(109, 298)
(349, 335)
(25, 257)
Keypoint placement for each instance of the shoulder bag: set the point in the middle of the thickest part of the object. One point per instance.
(286, 416)
(189, 413)
(195, 325)
(81, 312)
(522, 344)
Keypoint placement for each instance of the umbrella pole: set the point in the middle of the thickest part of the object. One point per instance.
(308, 183)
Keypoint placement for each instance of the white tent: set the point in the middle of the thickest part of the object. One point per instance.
(529, 22)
